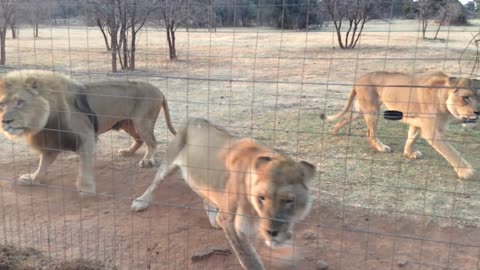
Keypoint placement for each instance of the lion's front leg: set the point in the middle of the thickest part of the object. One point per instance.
(413, 134)
(86, 180)
(232, 225)
(461, 166)
(46, 159)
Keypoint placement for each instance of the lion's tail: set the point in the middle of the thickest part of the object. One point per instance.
(166, 111)
(345, 109)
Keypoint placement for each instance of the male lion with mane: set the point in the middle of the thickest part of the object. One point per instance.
(55, 113)
(426, 101)
(242, 184)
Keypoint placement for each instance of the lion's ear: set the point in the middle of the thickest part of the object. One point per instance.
(32, 85)
(261, 161)
(476, 88)
(452, 80)
(308, 168)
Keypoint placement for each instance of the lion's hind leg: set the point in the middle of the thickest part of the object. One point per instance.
(372, 122)
(144, 201)
(144, 127)
(128, 127)
(347, 119)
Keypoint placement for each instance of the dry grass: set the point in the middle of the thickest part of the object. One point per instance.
(272, 85)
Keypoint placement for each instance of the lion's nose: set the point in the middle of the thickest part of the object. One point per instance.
(7, 121)
(272, 233)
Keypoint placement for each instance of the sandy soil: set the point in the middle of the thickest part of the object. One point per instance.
(55, 220)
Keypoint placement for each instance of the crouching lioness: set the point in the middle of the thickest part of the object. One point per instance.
(427, 102)
(242, 184)
(55, 113)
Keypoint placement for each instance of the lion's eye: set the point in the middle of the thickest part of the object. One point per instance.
(466, 99)
(19, 103)
(288, 202)
(261, 199)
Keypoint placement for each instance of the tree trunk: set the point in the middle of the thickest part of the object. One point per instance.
(171, 43)
(359, 33)
(444, 16)
(424, 28)
(14, 31)
(338, 27)
(125, 51)
(3, 37)
(122, 48)
(100, 26)
(132, 49)
(114, 45)
(438, 30)
(35, 30)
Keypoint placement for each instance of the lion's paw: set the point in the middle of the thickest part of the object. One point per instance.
(139, 205)
(27, 179)
(125, 153)
(414, 155)
(386, 149)
(146, 163)
(215, 225)
(466, 173)
(87, 189)
(212, 218)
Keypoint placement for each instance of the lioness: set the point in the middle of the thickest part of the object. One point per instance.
(426, 102)
(241, 182)
(54, 113)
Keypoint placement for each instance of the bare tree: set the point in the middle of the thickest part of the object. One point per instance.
(426, 11)
(32, 12)
(122, 20)
(7, 11)
(13, 26)
(172, 14)
(138, 14)
(102, 25)
(442, 15)
(355, 13)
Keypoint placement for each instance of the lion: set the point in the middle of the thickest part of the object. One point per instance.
(55, 113)
(243, 185)
(427, 102)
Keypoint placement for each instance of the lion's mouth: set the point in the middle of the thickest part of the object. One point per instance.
(471, 120)
(272, 243)
(13, 130)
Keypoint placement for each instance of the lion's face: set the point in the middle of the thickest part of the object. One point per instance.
(22, 110)
(462, 100)
(281, 197)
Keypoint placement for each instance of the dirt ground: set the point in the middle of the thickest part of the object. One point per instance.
(55, 220)
(371, 210)
(13, 258)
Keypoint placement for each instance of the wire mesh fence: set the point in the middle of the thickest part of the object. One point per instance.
(264, 70)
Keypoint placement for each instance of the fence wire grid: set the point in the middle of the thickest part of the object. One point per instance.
(265, 70)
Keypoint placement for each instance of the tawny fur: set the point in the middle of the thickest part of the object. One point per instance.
(246, 187)
(426, 101)
(55, 113)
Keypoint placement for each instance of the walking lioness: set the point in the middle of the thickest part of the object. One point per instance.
(242, 184)
(426, 102)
